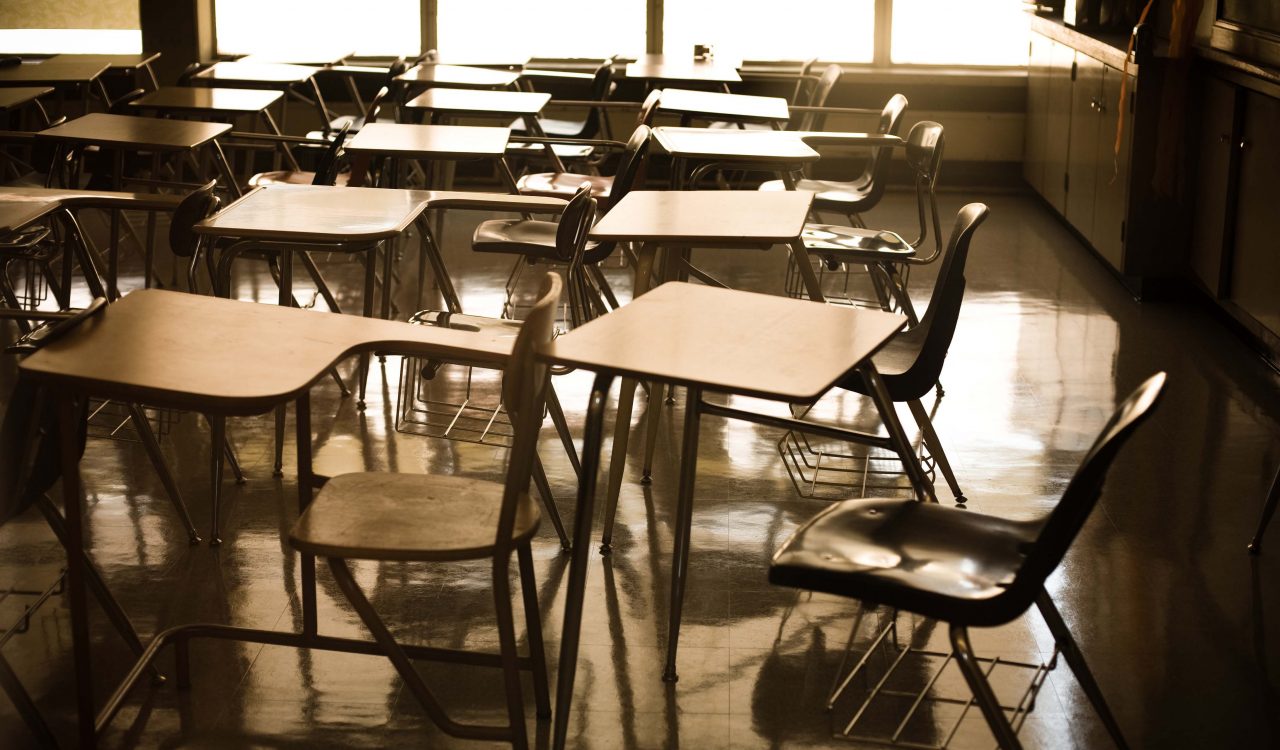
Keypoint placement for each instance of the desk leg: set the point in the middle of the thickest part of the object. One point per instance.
(897, 435)
(113, 251)
(288, 152)
(435, 255)
(626, 398)
(225, 168)
(217, 441)
(306, 483)
(69, 417)
(684, 526)
(805, 265)
(286, 300)
(580, 556)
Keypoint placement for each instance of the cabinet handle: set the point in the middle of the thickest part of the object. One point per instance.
(1223, 138)
(1244, 145)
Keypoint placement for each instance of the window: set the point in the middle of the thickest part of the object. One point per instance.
(837, 30)
(501, 29)
(100, 27)
(297, 31)
(945, 32)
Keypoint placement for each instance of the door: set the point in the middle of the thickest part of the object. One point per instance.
(1082, 154)
(1255, 262)
(1111, 198)
(1058, 127)
(1216, 144)
(1037, 124)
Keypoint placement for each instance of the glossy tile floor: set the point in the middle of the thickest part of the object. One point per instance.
(1180, 624)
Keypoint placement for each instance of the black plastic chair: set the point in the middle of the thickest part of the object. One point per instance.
(327, 165)
(961, 567)
(590, 126)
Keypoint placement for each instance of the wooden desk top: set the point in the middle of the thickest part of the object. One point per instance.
(711, 104)
(729, 341)
(831, 138)
(301, 55)
(706, 218)
(124, 63)
(331, 214)
(773, 146)
(51, 73)
(201, 99)
(136, 132)
(430, 141)
(250, 72)
(459, 76)
(471, 101)
(20, 95)
(66, 198)
(16, 215)
(213, 355)
(670, 68)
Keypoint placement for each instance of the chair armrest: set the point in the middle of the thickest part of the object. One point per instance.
(272, 137)
(472, 201)
(824, 138)
(560, 74)
(836, 110)
(567, 141)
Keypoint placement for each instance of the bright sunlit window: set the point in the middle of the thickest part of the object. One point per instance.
(94, 27)
(836, 30)
(501, 30)
(946, 32)
(313, 30)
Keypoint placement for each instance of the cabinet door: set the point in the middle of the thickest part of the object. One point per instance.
(1037, 124)
(1215, 143)
(1111, 198)
(1255, 262)
(1082, 154)
(1058, 130)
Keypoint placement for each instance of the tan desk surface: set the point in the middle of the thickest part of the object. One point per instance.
(20, 95)
(250, 72)
(729, 341)
(728, 106)
(459, 76)
(114, 62)
(222, 356)
(430, 141)
(301, 55)
(202, 99)
(51, 73)
(778, 146)
(706, 217)
(68, 198)
(136, 132)
(671, 68)
(15, 215)
(471, 101)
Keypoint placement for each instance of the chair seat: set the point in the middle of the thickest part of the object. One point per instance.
(941, 562)
(529, 237)
(830, 194)
(552, 127)
(855, 244)
(564, 184)
(291, 177)
(409, 517)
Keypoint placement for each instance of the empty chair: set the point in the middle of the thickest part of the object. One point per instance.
(884, 252)
(863, 192)
(565, 184)
(439, 518)
(591, 126)
(911, 363)
(326, 171)
(822, 87)
(961, 567)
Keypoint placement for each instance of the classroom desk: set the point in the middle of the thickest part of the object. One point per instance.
(456, 77)
(777, 151)
(712, 105)
(672, 68)
(220, 358)
(215, 104)
(123, 64)
(59, 75)
(280, 76)
(302, 55)
(720, 341)
(428, 142)
(20, 96)
(444, 104)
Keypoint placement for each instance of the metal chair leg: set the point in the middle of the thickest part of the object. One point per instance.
(934, 443)
(1075, 659)
(233, 461)
(533, 632)
(26, 707)
(986, 699)
(507, 645)
(1273, 498)
(562, 429)
(217, 433)
(549, 501)
(277, 467)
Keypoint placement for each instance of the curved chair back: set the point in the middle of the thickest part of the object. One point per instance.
(927, 342)
(601, 87)
(197, 206)
(189, 72)
(630, 165)
(649, 107)
(121, 106)
(327, 164)
(10, 61)
(924, 157)
(524, 383)
(375, 105)
(821, 91)
(426, 58)
(571, 244)
(1068, 516)
(876, 172)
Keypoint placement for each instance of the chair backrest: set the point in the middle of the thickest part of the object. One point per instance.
(601, 87)
(375, 105)
(821, 91)
(1062, 524)
(426, 58)
(10, 61)
(327, 164)
(524, 383)
(189, 72)
(924, 157)
(197, 206)
(30, 451)
(649, 107)
(571, 244)
(629, 166)
(876, 171)
(931, 337)
(121, 106)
